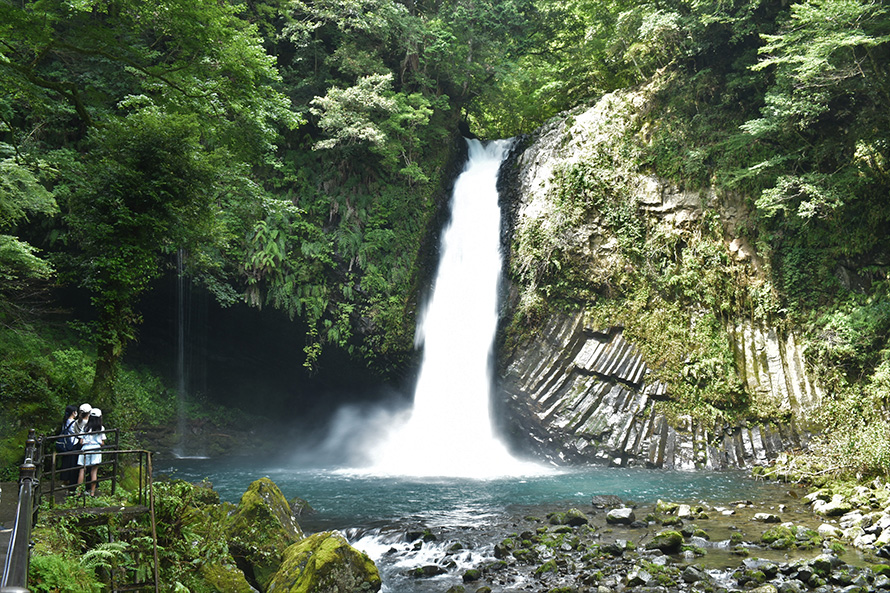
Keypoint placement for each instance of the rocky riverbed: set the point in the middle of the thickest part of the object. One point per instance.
(825, 541)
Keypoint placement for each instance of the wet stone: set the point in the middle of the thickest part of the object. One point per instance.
(606, 501)
(693, 574)
(792, 586)
(623, 516)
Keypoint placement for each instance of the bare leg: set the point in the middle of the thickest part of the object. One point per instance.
(80, 476)
(94, 473)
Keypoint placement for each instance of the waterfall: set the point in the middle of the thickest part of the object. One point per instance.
(181, 429)
(186, 448)
(449, 431)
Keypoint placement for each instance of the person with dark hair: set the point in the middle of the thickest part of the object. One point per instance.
(92, 438)
(67, 473)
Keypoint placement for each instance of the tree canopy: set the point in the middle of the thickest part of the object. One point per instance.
(294, 151)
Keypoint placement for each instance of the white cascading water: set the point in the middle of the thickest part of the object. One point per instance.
(449, 431)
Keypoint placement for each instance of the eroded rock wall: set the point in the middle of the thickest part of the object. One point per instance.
(573, 393)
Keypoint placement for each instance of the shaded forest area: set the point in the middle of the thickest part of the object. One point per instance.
(294, 154)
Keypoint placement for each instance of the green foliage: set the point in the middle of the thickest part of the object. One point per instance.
(59, 573)
(21, 197)
(853, 339)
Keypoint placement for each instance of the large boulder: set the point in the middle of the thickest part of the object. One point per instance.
(325, 563)
(225, 578)
(667, 541)
(261, 529)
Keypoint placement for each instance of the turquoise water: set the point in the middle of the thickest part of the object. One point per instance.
(375, 512)
(344, 499)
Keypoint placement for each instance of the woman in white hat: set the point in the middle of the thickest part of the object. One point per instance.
(92, 438)
(83, 416)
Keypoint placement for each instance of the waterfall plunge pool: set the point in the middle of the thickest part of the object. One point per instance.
(375, 512)
(345, 499)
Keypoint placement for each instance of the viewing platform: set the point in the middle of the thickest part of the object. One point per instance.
(41, 479)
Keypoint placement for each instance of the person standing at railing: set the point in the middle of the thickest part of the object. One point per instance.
(83, 417)
(93, 438)
(68, 463)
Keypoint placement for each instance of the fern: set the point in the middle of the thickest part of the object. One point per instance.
(105, 555)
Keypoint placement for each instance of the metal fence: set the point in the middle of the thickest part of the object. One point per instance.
(39, 477)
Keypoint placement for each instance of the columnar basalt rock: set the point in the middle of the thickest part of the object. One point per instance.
(575, 394)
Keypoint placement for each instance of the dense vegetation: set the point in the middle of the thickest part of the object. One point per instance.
(293, 154)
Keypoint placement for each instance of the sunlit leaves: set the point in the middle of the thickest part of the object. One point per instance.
(347, 115)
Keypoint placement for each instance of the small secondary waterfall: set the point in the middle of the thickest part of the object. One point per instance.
(185, 312)
(181, 379)
(449, 432)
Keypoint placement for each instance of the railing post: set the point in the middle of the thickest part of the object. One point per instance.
(18, 556)
(31, 447)
(114, 465)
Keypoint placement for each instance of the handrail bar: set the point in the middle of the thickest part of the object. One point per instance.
(47, 444)
(18, 556)
(144, 476)
(14, 578)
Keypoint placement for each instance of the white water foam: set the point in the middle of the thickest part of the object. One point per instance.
(449, 431)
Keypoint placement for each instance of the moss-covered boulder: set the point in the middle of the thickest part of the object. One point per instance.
(667, 541)
(261, 529)
(225, 578)
(778, 538)
(572, 517)
(325, 563)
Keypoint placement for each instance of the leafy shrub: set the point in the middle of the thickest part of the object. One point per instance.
(58, 573)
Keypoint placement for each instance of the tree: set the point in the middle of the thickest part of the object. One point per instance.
(21, 196)
(148, 190)
(150, 116)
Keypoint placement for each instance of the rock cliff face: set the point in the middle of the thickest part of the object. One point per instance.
(574, 393)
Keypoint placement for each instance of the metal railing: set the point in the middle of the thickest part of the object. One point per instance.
(52, 456)
(37, 458)
(18, 556)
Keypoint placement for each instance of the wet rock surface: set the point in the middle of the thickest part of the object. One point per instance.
(709, 548)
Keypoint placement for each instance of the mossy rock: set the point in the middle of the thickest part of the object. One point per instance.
(525, 556)
(881, 569)
(225, 578)
(261, 529)
(300, 507)
(324, 563)
(203, 494)
(503, 549)
(265, 504)
(668, 541)
(572, 517)
(778, 538)
(576, 518)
